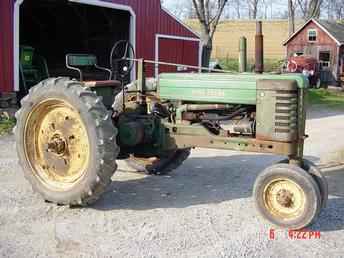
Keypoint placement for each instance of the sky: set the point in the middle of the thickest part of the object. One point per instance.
(273, 9)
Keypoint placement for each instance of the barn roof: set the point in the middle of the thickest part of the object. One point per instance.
(334, 29)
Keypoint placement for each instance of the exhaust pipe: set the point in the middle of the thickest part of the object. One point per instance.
(242, 55)
(259, 44)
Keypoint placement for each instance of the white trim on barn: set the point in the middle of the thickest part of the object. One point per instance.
(316, 23)
(324, 29)
(179, 21)
(16, 40)
(16, 30)
(159, 36)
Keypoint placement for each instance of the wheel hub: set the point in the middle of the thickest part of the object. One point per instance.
(284, 199)
(56, 144)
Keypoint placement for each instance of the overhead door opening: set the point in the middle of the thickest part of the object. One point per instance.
(49, 30)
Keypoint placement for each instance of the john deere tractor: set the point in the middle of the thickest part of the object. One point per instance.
(68, 142)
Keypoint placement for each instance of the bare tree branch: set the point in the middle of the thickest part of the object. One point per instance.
(310, 8)
(253, 8)
(291, 16)
(209, 14)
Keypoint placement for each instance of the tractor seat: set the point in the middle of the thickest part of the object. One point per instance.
(103, 84)
(104, 88)
(78, 62)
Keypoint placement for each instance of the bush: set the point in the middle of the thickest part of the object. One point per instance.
(6, 125)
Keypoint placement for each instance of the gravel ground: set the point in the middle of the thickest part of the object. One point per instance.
(203, 209)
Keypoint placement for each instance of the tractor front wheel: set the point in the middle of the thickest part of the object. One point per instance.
(66, 142)
(318, 176)
(287, 196)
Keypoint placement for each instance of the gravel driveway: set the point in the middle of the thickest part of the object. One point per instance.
(203, 209)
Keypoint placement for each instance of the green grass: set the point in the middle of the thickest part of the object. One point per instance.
(6, 126)
(325, 97)
(270, 65)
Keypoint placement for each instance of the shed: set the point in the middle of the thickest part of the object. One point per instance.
(324, 41)
(54, 28)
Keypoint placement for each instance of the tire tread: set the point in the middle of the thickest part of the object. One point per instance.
(106, 151)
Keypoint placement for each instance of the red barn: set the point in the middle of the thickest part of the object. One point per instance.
(324, 41)
(54, 28)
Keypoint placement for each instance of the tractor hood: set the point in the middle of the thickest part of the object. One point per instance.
(219, 88)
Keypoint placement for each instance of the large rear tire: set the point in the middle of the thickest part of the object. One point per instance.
(66, 142)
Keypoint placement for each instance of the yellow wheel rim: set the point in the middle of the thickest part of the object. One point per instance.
(284, 199)
(56, 144)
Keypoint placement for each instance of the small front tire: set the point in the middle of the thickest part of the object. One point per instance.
(287, 196)
(318, 176)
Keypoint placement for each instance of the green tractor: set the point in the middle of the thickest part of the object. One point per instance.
(68, 142)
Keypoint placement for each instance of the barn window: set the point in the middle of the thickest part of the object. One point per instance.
(312, 35)
(325, 59)
(298, 53)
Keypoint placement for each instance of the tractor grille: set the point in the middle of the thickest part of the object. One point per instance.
(277, 110)
(286, 114)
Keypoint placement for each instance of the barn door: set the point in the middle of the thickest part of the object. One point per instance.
(177, 51)
(325, 67)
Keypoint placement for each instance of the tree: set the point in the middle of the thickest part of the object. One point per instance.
(180, 8)
(265, 6)
(291, 16)
(335, 9)
(310, 8)
(252, 8)
(314, 9)
(237, 6)
(339, 9)
(208, 13)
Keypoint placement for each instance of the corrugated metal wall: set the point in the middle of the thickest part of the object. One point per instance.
(178, 52)
(151, 19)
(6, 46)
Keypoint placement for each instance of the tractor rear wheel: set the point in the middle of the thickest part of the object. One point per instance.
(287, 196)
(66, 142)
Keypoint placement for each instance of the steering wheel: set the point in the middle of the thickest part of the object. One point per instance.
(121, 57)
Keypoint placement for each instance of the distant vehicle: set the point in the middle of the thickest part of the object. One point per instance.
(306, 65)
